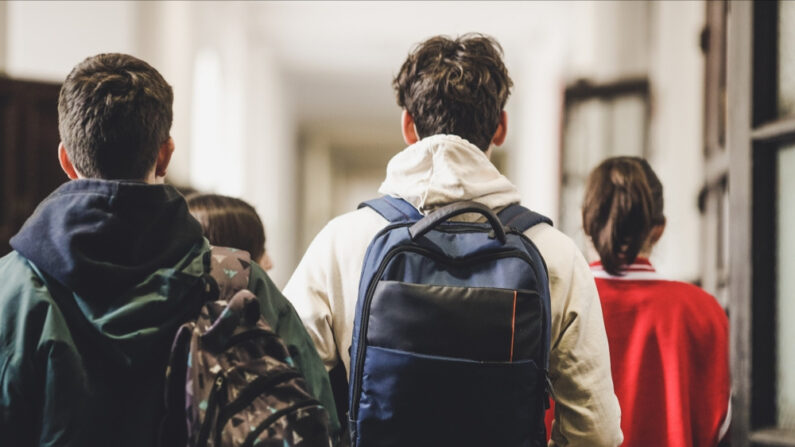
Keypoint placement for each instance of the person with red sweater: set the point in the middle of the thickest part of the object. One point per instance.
(668, 339)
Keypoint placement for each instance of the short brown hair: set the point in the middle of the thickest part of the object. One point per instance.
(623, 202)
(455, 86)
(114, 113)
(229, 222)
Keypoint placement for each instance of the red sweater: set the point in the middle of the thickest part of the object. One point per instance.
(669, 358)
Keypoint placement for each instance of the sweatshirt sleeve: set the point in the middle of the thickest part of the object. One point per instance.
(586, 407)
(285, 321)
(309, 291)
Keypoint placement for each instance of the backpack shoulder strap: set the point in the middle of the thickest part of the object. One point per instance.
(231, 269)
(521, 219)
(393, 209)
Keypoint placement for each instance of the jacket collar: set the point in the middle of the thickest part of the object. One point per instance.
(641, 269)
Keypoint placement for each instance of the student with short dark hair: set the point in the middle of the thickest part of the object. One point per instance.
(114, 117)
(231, 222)
(453, 93)
(105, 270)
(668, 339)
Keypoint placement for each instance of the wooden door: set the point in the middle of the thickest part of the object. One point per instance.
(29, 168)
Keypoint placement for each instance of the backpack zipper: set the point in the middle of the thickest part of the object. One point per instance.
(511, 253)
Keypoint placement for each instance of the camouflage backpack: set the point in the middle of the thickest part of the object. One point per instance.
(230, 379)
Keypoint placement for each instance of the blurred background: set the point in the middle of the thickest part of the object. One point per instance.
(289, 105)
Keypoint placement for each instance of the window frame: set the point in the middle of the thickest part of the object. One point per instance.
(713, 198)
(584, 90)
(754, 135)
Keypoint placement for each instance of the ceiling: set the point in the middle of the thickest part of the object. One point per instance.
(338, 59)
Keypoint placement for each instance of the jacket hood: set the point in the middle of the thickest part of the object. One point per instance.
(442, 169)
(125, 254)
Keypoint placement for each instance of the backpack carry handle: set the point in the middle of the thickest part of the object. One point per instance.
(445, 213)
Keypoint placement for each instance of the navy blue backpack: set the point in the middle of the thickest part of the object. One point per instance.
(451, 337)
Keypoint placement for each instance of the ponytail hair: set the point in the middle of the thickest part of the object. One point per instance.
(623, 203)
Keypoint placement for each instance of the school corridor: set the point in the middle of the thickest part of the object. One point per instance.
(291, 106)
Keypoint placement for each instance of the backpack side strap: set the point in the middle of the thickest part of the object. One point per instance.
(521, 219)
(393, 209)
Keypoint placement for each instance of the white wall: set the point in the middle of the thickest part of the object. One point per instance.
(46, 39)
(533, 143)
(317, 177)
(272, 175)
(677, 81)
(3, 36)
(166, 37)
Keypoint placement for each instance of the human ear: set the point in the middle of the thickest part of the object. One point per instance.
(66, 163)
(265, 262)
(656, 233)
(164, 158)
(502, 130)
(407, 127)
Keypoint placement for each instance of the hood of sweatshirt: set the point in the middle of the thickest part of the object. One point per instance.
(442, 169)
(121, 259)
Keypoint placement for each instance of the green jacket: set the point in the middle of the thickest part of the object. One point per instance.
(101, 276)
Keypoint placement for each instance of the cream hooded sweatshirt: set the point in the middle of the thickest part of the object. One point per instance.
(434, 172)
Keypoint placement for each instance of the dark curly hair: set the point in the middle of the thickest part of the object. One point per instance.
(455, 86)
(114, 113)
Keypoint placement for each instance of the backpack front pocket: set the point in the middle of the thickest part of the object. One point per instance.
(453, 394)
(477, 323)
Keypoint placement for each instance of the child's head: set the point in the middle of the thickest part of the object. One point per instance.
(230, 222)
(623, 210)
(114, 118)
(456, 86)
